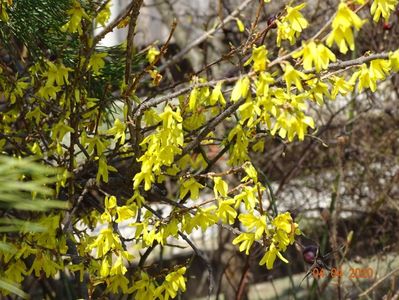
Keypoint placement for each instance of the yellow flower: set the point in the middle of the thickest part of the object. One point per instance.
(315, 54)
(347, 18)
(292, 76)
(285, 229)
(259, 58)
(173, 282)
(379, 68)
(342, 25)
(96, 62)
(118, 268)
(245, 240)
(124, 213)
(110, 202)
(152, 54)
(295, 18)
(394, 60)
(342, 37)
(340, 86)
(105, 241)
(285, 32)
(291, 25)
(217, 95)
(104, 270)
(283, 222)
(104, 14)
(192, 186)
(368, 77)
(382, 7)
(16, 271)
(74, 24)
(270, 257)
(241, 89)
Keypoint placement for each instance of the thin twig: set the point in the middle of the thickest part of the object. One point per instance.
(377, 283)
(130, 37)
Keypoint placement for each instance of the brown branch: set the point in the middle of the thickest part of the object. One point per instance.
(379, 282)
(242, 286)
(356, 61)
(306, 151)
(135, 10)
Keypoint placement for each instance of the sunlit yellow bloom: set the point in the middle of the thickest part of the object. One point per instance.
(382, 8)
(96, 62)
(241, 89)
(245, 240)
(217, 95)
(342, 28)
(263, 83)
(74, 24)
(259, 58)
(104, 270)
(365, 80)
(295, 18)
(379, 68)
(285, 32)
(110, 202)
(118, 268)
(105, 241)
(124, 213)
(291, 25)
(316, 55)
(292, 76)
(394, 60)
(270, 257)
(340, 86)
(152, 54)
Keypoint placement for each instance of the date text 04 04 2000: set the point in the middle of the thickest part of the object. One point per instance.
(353, 273)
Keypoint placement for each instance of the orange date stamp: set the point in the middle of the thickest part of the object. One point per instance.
(352, 273)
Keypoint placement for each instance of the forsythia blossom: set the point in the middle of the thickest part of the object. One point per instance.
(342, 28)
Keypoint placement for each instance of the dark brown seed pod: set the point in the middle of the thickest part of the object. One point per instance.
(310, 254)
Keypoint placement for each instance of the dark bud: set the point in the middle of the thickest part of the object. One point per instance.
(293, 213)
(387, 26)
(271, 22)
(310, 254)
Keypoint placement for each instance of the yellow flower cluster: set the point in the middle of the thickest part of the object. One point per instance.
(342, 28)
(284, 232)
(291, 25)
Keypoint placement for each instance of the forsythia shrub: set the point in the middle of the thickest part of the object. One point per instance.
(82, 108)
